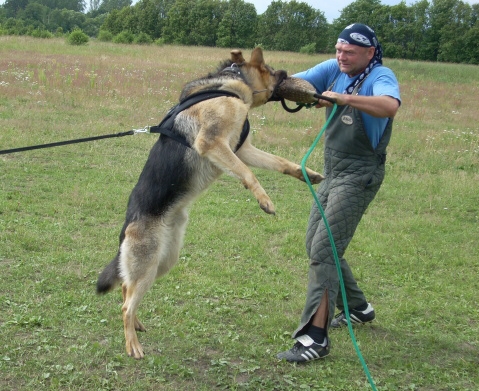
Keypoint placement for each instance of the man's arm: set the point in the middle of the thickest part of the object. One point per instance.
(383, 106)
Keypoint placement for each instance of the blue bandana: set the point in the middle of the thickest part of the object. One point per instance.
(361, 35)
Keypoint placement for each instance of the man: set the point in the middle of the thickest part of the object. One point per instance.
(367, 95)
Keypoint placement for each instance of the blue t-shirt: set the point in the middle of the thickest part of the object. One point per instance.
(381, 81)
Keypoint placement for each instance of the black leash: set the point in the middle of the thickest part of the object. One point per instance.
(168, 119)
(80, 140)
(165, 127)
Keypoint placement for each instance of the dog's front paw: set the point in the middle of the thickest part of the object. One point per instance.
(267, 206)
(314, 177)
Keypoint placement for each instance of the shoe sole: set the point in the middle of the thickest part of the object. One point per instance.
(353, 323)
(309, 357)
(308, 360)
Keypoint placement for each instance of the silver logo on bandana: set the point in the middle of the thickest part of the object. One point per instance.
(360, 38)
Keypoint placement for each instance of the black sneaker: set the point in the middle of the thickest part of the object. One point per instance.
(305, 349)
(356, 317)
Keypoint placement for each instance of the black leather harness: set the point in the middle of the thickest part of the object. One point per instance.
(166, 126)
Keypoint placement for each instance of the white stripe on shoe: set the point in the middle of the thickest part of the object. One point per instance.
(310, 354)
(353, 319)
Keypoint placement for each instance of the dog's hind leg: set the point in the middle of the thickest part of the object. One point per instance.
(173, 233)
(138, 325)
(139, 258)
(148, 251)
(133, 295)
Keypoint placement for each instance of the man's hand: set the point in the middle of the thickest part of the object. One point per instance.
(334, 95)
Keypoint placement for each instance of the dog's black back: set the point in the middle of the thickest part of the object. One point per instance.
(165, 178)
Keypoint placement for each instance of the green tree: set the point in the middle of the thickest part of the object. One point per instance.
(129, 20)
(73, 5)
(152, 16)
(417, 28)
(452, 44)
(269, 23)
(92, 25)
(290, 26)
(110, 5)
(204, 19)
(193, 22)
(77, 37)
(66, 19)
(178, 25)
(474, 14)
(12, 7)
(15, 26)
(112, 23)
(449, 21)
(93, 6)
(36, 12)
(370, 12)
(125, 19)
(471, 42)
(403, 33)
(238, 26)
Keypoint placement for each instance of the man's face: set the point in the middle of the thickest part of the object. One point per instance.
(353, 59)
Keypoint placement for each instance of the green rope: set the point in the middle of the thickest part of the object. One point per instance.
(333, 246)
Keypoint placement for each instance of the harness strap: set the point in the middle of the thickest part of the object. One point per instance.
(166, 126)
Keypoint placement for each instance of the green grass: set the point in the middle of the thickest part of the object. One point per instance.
(219, 318)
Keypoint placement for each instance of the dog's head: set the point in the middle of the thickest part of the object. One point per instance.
(262, 78)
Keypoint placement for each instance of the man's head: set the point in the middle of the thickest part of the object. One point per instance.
(356, 48)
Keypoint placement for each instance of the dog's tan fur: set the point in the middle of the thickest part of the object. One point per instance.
(152, 237)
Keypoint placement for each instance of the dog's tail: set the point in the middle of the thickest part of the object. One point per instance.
(109, 277)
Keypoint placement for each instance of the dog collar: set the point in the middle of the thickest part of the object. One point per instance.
(233, 68)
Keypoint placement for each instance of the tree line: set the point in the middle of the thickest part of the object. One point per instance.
(437, 30)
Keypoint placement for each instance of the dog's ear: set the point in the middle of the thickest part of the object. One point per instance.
(237, 56)
(257, 57)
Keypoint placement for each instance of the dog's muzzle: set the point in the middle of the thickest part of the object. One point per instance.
(281, 76)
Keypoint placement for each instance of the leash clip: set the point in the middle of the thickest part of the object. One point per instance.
(146, 129)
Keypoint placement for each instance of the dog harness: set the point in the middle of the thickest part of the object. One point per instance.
(166, 126)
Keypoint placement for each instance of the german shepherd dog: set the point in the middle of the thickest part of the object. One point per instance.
(174, 176)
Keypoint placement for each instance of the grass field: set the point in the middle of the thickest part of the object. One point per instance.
(219, 318)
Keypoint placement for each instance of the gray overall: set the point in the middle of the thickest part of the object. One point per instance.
(354, 172)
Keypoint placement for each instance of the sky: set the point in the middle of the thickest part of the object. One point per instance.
(331, 8)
